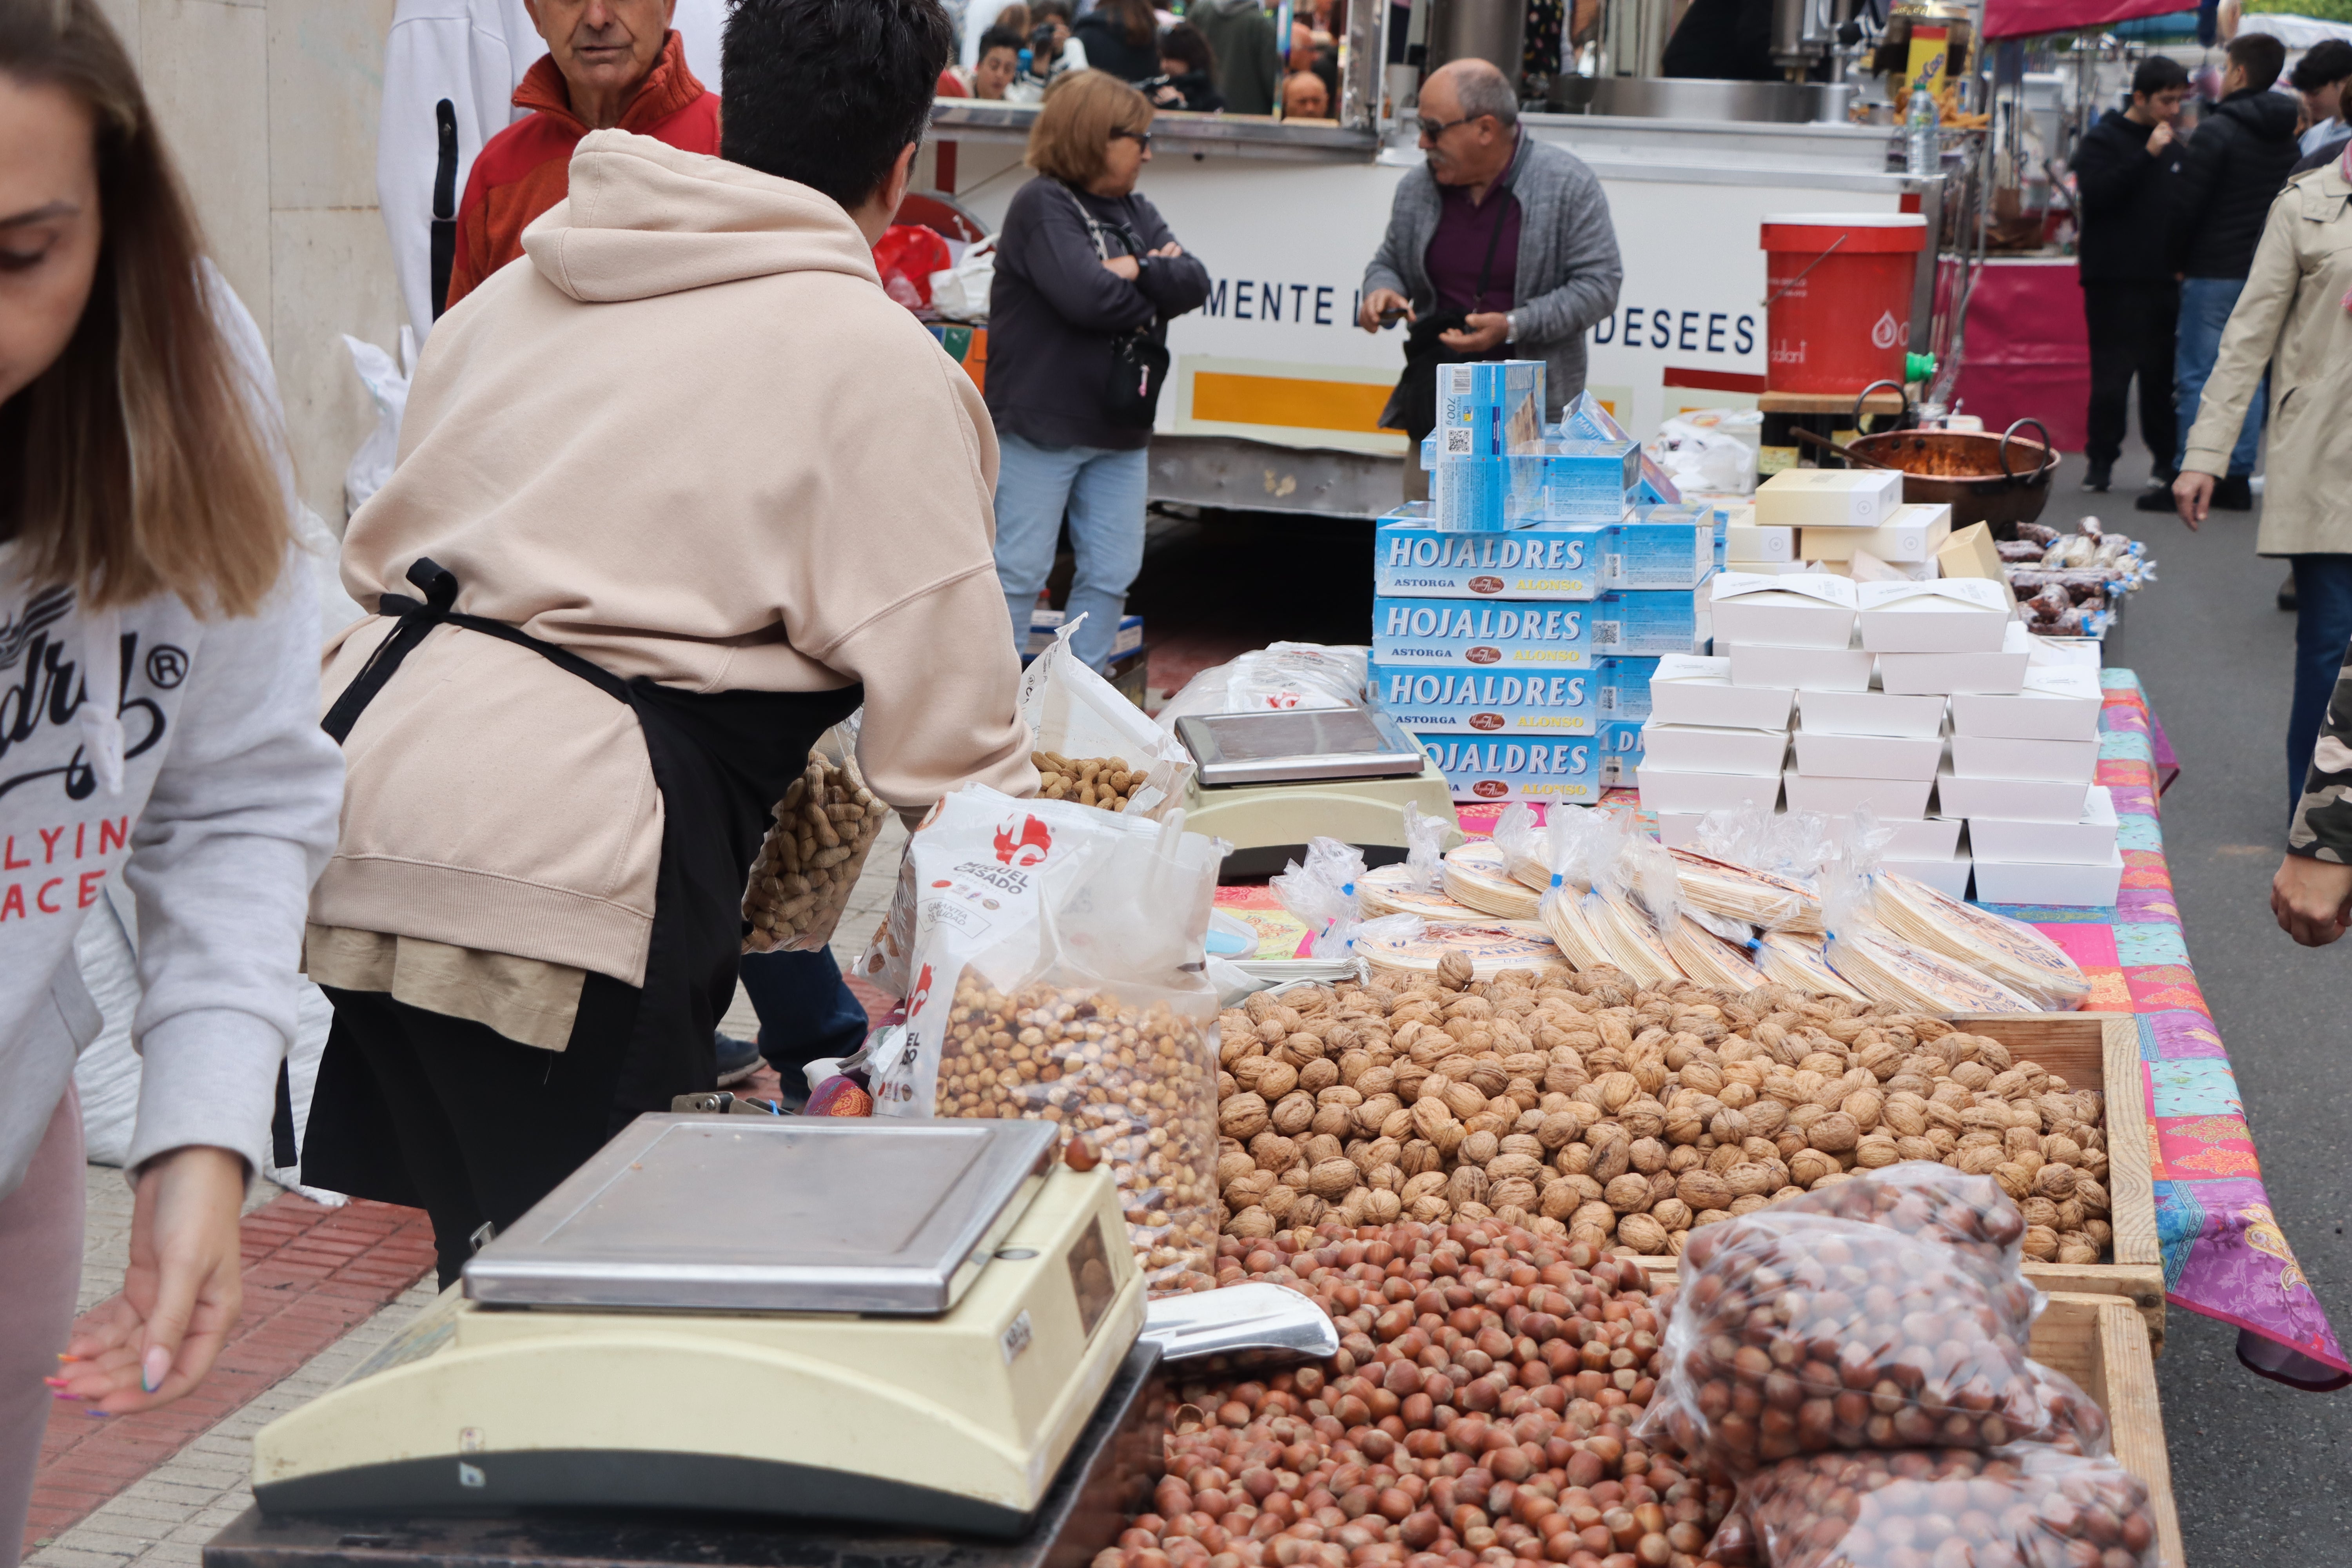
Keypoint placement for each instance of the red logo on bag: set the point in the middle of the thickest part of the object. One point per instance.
(922, 994)
(1485, 656)
(1022, 843)
(1485, 584)
(1490, 789)
(1485, 720)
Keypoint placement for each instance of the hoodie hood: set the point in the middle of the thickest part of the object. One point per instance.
(644, 219)
(2265, 115)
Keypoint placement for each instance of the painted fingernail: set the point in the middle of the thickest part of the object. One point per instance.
(152, 1370)
(61, 1394)
(99, 1414)
(63, 1356)
(55, 1382)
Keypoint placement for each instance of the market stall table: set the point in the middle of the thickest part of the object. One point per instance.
(2224, 1253)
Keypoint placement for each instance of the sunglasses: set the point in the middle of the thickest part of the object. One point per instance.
(1141, 138)
(1431, 130)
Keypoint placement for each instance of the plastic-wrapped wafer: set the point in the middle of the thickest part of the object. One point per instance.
(1743, 893)
(1788, 959)
(1710, 959)
(1395, 890)
(1883, 966)
(814, 850)
(1476, 875)
(2007, 951)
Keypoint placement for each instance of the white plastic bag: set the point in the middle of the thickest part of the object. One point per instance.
(1323, 893)
(960, 293)
(1703, 458)
(1060, 976)
(1071, 710)
(1283, 674)
(387, 388)
(1424, 854)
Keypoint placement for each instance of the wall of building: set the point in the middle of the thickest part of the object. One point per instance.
(270, 110)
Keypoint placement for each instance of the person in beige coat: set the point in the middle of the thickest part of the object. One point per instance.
(678, 488)
(2294, 317)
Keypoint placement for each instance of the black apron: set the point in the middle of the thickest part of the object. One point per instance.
(722, 761)
(1417, 388)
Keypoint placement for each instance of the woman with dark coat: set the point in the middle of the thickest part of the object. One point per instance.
(1082, 263)
(1121, 37)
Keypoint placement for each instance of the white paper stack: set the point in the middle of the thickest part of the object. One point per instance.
(2021, 772)
(1710, 744)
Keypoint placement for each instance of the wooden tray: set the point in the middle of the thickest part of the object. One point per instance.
(2089, 1050)
(2102, 1344)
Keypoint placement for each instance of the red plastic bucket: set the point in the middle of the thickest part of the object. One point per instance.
(1838, 287)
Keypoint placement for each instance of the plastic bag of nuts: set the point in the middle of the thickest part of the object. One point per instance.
(1056, 954)
(814, 851)
(1797, 1332)
(2020, 1507)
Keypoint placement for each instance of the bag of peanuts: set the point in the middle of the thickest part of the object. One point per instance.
(1059, 975)
(814, 850)
(1076, 718)
(2020, 1507)
(1800, 1332)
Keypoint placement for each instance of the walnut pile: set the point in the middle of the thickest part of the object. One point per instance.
(1580, 1107)
(1134, 1079)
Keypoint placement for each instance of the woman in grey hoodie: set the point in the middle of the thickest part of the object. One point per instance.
(159, 644)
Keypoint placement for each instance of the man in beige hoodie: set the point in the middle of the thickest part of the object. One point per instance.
(675, 491)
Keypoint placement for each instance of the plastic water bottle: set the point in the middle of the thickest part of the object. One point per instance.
(1921, 155)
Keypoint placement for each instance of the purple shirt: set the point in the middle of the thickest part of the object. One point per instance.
(1457, 251)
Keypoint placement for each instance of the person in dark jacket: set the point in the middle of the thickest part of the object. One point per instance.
(1190, 67)
(1081, 262)
(1725, 40)
(2321, 76)
(2237, 160)
(1121, 37)
(2123, 169)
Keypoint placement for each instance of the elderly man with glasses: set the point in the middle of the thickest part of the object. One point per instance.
(1500, 247)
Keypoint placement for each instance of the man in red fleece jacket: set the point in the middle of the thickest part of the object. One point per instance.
(610, 64)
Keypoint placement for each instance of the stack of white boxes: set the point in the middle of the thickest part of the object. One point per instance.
(2022, 766)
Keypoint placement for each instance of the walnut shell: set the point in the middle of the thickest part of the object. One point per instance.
(1242, 1116)
(1810, 1165)
(1294, 1113)
(2077, 1247)
(1593, 1216)
(1748, 1202)
(1866, 1106)
(1672, 1213)
(2055, 1181)
(1251, 1223)
(1642, 1233)
(2092, 1195)
(1628, 1194)
(1515, 1191)
(1834, 1133)
(1874, 1153)
(1511, 1167)
(1332, 1178)
(2041, 1243)
(1704, 1190)
(1480, 1147)
(1749, 1177)
(2013, 1179)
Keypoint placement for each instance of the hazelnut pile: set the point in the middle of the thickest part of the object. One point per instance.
(1480, 1407)
(1106, 781)
(1134, 1081)
(2024, 1507)
(1584, 1108)
(811, 858)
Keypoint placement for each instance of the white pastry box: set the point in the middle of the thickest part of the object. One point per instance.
(1957, 674)
(2010, 800)
(1701, 749)
(1689, 690)
(1869, 756)
(2088, 842)
(1954, 614)
(1664, 790)
(1800, 668)
(1828, 498)
(2019, 882)
(2059, 702)
(1797, 610)
(1912, 536)
(1906, 799)
(1871, 713)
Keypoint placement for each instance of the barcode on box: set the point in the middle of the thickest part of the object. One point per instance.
(1457, 441)
(1608, 699)
(1608, 634)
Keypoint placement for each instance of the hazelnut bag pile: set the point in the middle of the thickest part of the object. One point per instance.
(1056, 956)
(1862, 1319)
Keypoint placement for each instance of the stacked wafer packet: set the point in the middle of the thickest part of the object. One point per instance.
(1855, 1360)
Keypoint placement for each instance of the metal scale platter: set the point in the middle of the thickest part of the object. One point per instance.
(1269, 782)
(866, 1320)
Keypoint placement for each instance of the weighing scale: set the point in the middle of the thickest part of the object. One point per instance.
(903, 1329)
(1267, 782)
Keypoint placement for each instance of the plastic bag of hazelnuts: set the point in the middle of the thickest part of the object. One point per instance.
(2021, 1507)
(1057, 976)
(1797, 1333)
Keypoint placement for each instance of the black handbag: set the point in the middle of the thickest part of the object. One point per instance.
(1139, 357)
(1417, 387)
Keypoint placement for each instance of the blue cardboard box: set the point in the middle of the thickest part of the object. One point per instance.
(1620, 751)
(1587, 418)
(1483, 702)
(1488, 408)
(1651, 621)
(1412, 558)
(1470, 495)
(1663, 547)
(1425, 633)
(1492, 768)
(1574, 481)
(1624, 686)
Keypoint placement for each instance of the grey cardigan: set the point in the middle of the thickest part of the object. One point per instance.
(1569, 271)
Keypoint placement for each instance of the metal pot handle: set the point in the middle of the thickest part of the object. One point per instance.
(1902, 420)
(2037, 477)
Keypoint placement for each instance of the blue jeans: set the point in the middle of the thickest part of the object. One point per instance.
(2323, 626)
(1103, 491)
(2205, 307)
(806, 1010)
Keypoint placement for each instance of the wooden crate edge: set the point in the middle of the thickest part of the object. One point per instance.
(2135, 1415)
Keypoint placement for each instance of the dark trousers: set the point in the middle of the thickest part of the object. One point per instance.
(2132, 326)
(806, 1010)
(475, 1127)
(2323, 627)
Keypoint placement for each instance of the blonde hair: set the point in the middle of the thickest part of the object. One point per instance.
(137, 467)
(1074, 128)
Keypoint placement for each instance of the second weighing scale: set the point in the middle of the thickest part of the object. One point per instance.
(1268, 781)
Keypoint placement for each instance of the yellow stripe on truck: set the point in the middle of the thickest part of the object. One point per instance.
(1290, 401)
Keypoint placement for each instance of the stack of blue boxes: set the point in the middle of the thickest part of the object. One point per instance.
(1519, 612)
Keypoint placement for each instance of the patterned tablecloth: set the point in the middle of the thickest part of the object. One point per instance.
(2224, 1254)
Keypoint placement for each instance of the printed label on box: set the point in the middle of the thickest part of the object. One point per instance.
(1516, 769)
(1411, 559)
(1450, 702)
(1424, 632)
(1625, 686)
(1620, 751)
(1650, 621)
